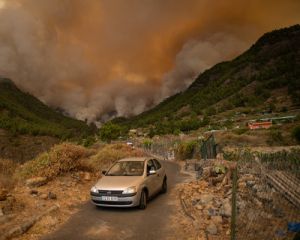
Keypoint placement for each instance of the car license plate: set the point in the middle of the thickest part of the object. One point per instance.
(106, 198)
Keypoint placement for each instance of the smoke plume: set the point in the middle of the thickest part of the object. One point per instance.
(100, 59)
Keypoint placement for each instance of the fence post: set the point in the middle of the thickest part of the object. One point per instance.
(233, 213)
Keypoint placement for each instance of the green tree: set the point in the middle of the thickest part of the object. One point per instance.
(272, 107)
(90, 140)
(109, 132)
(296, 133)
(205, 120)
(284, 109)
(83, 135)
(151, 132)
(176, 132)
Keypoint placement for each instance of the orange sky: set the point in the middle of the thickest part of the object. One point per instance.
(93, 57)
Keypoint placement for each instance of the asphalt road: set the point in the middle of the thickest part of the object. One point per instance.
(91, 222)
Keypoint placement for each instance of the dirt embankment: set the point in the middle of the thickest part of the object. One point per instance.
(24, 202)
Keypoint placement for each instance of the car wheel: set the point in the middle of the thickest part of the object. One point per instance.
(164, 186)
(143, 200)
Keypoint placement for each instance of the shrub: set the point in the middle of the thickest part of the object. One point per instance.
(240, 131)
(185, 150)
(284, 109)
(296, 133)
(111, 153)
(61, 158)
(17, 143)
(176, 132)
(90, 140)
(147, 142)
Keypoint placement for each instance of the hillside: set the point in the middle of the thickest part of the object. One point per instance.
(246, 83)
(22, 113)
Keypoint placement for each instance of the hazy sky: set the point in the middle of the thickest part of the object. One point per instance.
(98, 56)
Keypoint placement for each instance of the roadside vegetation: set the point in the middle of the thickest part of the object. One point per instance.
(64, 158)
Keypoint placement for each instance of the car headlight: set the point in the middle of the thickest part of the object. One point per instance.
(94, 189)
(129, 190)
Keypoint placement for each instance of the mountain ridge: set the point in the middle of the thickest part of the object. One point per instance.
(273, 62)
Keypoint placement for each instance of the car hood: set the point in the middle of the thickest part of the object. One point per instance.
(118, 182)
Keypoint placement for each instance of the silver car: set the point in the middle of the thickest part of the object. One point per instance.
(130, 182)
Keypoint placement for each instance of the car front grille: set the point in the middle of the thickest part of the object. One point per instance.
(112, 203)
(111, 192)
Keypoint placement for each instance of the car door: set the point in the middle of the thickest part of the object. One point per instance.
(160, 174)
(151, 179)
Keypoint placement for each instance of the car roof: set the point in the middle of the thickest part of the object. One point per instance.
(133, 159)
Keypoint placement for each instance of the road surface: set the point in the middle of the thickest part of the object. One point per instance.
(155, 222)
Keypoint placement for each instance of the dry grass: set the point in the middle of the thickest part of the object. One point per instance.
(8, 171)
(111, 153)
(250, 139)
(61, 158)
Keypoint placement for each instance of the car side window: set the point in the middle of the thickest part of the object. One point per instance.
(157, 163)
(150, 166)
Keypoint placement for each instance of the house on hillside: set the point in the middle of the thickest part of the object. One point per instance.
(259, 125)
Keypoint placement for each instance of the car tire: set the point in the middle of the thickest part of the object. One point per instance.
(164, 186)
(143, 200)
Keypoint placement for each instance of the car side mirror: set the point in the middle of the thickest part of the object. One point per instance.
(152, 172)
(104, 172)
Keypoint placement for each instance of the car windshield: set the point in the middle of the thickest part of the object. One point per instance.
(127, 169)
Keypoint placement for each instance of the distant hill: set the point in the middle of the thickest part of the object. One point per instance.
(273, 62)
(22, 113)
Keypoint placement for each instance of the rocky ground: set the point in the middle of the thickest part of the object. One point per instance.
(36, 196)
(207, 204)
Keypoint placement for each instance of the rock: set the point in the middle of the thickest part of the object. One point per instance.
(253, 215)
(266, 215)
(217, 219)
(241, 205)
(225, 210)
(199, 207)
(206, 199)
(242, 185)
(212, 211)
(217, 204)
(206, 172)
(40, 203)
(87, 176)
(33, 191)
(257, 188)
(52, 222)
(52, 195)
(36, 182)
(206, 213)
(229, 192)
(43, 196)
(251, 183)
(3, 193)
(10, 199)
(193, 203)
(212, 229)
(265, 196)
(257, 202)
(8, 208)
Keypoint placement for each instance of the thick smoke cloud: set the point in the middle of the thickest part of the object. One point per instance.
(101, 59)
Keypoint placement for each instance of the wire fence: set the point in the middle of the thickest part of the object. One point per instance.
(266, 195)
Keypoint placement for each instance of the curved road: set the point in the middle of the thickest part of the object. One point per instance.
(154, 222)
